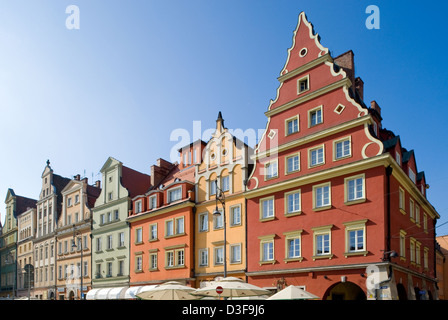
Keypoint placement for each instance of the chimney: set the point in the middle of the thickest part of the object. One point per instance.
(359, 86)
(159, 171)
(376, 107)
(347, 62)
(98, 183)
(77, 177)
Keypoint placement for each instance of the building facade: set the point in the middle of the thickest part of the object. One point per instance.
(73, 239)
(26, 228)
(49, 208)
(328, 204)
(110, 229)
(222, 173)
(9, 268)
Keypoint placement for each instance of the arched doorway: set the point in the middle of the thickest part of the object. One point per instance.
(401, 290)
(71, 295)
(345, 291)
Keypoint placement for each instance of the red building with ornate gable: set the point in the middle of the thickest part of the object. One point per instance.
(334, 200)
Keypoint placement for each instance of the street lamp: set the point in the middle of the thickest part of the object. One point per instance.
(77, 236)
(220, 197)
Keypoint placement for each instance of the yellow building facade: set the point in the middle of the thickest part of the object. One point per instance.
(222, 172)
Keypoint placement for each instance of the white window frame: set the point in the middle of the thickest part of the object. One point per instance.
(347, 185)
(203, 218)
(225, 183)
(216, 261)
(267, 240)
(268, 175)
(152, 230)
(286, 196)
(152, 201)
(299, 81)
(335, 148)
(322, 231)
(238, 222)
(203, 260)
(354, 226)
(171, 191)
(233, 258)
(293, 236)
(291, 156)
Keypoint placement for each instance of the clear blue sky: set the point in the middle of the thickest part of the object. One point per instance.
(137, 70)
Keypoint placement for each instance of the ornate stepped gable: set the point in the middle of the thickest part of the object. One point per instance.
(318, 102)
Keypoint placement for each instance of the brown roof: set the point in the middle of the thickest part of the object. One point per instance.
(135, 182)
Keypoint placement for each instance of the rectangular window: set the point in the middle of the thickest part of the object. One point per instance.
(267, 251)
(303, 84)
(316, 156)
(121, 239)
(174, 194)
(203, 222)
(138, 207)
(292, 202)
(212, 187)
(153, 202)
(138, 263)
(170, 259)
(271, 170)
(235, 253)
(109, 242)
(138, 235)
(293, 248)
(153, 232)
(402, 244)
(169, 228)
(267, 208)
(109, 269)
(98, 244)
(412, 175)
(356, 240)
(203, 257)
(354, 188)
(293, 163)
(401, 199)
(322, 244)
(342, 149)
(292, 125)
(321, 196)
(153, 261)
(315, 116)
(235, 215)
(411, 209)
(219, 255)
(225, 183)
(180, 257)
(180, 227)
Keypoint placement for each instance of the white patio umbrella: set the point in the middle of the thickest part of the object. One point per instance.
(171, 290)
(293, 293)
(232, 287)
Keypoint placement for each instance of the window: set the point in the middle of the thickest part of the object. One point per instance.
(412, 249)
(411, 210)
(121, 239)
(225, 183)
(76, 198)
(425, 257)
(292, 125)
(138, 206)
(412, 175)
(398, 158)
(267, 208)
(322, 242)
(218, 221)
(219, 255)
(342, 148)
(235, 215)
(355, 237)
(292, 202)
(180, 257)
(293, 163)
(270, 170)
(98, 244)
(153, 232)
(120, 267)
(153, 202)
(401, 200)
(235, 253)
(203, 257)
(402, 245)
(417, 214)
(153, 261)
(212, 187)
(169, 228)
(138, 235)
(316, 156)
(169, 257)
(293, 246)
(180, 227)
(315, 116)
(418, 253)
(109, 269)
(109, 242)
(110, 195)
(116, 214)
(354, 188)
(203, 222)
(69, 202)
(138, 263)
(175, 194)
(303, 84)
(268, 251)
(321, 196)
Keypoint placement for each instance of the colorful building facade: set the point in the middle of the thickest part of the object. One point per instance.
(110, 230)
(74, 246)
(221, 173)
(322, 199)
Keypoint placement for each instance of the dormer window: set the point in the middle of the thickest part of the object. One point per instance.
(412, 175)
(138, 206)
(303, 84)
(398, 158)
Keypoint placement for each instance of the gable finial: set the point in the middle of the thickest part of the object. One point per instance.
(48, 162)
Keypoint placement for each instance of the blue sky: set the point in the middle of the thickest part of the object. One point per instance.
(137, 70)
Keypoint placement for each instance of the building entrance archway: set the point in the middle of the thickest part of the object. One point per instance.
(344, 291)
